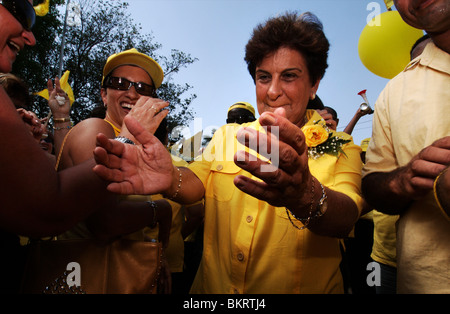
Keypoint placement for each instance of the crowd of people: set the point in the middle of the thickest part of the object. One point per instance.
(282, 203)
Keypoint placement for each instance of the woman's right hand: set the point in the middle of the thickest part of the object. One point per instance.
(149, 112)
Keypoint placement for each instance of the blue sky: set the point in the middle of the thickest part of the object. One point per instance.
(216, 32)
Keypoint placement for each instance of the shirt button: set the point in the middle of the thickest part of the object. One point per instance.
(249, 219)
(240, 256)
(219, 167)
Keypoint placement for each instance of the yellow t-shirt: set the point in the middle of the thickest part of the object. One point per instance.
(384, 238)
(251, 246)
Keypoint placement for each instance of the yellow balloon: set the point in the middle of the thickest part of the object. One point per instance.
(385, 43)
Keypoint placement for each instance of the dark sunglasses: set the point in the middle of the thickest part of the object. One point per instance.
(121, 83)
(22, 10)
(241, 119)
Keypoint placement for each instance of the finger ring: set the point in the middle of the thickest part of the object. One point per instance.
(154, 108)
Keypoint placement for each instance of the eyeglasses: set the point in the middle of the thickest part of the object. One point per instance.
(121, 83)
(22, 10)
(241, 119)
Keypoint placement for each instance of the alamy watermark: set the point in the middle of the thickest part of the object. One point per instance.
(225, 145)
(373, 18)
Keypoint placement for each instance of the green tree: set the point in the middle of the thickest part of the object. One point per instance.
(106, 28)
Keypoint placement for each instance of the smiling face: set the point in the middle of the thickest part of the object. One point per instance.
(119, 102)
(431, 15)
(282, 80)
(13, 38)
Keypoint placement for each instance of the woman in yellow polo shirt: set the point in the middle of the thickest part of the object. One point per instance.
(279, 191)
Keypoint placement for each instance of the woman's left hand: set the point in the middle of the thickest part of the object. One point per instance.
(286, 181)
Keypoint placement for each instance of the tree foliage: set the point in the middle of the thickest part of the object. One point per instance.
(106, 28)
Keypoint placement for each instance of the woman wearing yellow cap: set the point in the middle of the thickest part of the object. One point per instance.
(129, 82)
(275, 209)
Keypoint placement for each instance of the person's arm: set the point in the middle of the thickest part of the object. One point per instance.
(291, 184)
(60, 113)
(129, 216)
(195, 215)
(351, 125)
(37, 201)
(392, 192)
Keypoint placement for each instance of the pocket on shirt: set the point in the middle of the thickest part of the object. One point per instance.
(221, 180)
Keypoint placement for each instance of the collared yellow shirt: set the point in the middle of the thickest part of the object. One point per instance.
(251, 246)
(410, 114)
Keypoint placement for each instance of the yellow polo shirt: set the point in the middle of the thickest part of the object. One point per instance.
(251, 246)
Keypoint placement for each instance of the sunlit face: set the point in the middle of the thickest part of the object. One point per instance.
(13, 38)
(282, 80)
(431, 15)
(119, 103)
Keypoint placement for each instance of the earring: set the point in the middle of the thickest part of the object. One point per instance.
(313, 96)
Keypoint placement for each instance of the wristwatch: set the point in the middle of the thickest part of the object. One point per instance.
(124, 140)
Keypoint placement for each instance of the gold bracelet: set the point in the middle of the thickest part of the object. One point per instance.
(436, 197)
(61, 120)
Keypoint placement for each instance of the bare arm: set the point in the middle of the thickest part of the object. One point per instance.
(36, 200)
(195, 216)
(392, 192)
(351, 125)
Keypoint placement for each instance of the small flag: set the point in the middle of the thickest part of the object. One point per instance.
(389, 4)
(42, 8)
(64, 82)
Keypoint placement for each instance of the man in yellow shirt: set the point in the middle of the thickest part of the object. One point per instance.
(410, 147)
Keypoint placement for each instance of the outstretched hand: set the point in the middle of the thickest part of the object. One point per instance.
(286, 181)
(134, 169)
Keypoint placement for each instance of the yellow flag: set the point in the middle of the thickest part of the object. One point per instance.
(389, 3)
(64, 82)
(42, 8)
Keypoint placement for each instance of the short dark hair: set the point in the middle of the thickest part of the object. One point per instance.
(332, 112)
(303, 33)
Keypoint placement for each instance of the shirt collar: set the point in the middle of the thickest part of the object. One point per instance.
(432, 57)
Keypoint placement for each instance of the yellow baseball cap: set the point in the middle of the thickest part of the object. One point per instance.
(244, 105)
(365, 144)
(134, 57)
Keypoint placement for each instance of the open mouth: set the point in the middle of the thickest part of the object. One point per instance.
(127, 107)
(13, 46)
